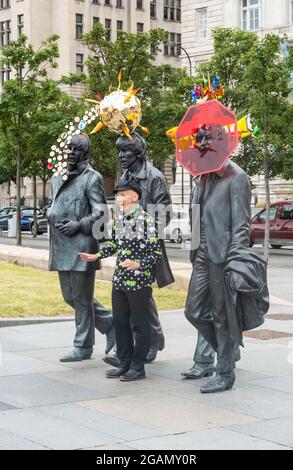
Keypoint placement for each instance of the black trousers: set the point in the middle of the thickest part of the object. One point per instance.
(205, 309)
(131, 313)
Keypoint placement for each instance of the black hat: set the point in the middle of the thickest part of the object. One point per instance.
(123, 185)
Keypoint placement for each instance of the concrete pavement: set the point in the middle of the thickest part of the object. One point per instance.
(48, 405)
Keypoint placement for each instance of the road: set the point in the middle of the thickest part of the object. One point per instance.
(282, 258)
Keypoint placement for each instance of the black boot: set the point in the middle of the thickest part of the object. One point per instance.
(132, 375)
(110, 340)
(219, 384)
(116, 373)
(78, 354)
(199, 370)
(158, 345)
(112, 360)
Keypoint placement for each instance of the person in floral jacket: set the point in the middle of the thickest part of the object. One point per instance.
(134, 240)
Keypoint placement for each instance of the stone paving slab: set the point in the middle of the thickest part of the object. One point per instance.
(282, 384)
(5, 406)
(212, 439)
(30, 390)
(166, 412)
(50, 431)
(17, 364)
(244, 398)
(48, 405)
(12, 441)
(278, 431)
(121, 430)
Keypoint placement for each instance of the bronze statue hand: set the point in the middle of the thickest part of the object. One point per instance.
(69, 228)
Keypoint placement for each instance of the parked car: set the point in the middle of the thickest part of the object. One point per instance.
(4, 215)
(281, 225)
(179, 227)
(42, 226)
(26, 217)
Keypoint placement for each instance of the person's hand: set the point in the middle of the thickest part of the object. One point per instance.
(88, 257)
(130, 265)
(69, 228)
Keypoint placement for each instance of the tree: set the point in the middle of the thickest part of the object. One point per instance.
(131, 53)
(266, 79)
(256, 81)
(229, 62)
(47, 124)
(21, 97)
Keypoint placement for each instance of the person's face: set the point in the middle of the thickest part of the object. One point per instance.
(128, 152)
(75, 154)
(126, 199)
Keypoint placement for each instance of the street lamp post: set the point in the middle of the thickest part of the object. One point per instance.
(188, 57)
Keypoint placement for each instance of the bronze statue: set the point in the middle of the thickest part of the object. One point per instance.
(228, 288)
(155, 192)
(76, 204)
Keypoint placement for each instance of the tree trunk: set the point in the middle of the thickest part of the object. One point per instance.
(35, 226)
(268, 204)
(18, 195)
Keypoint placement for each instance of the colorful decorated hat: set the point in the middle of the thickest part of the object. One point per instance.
(119, 111)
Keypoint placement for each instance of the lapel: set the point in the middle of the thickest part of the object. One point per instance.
(211, 182)
(64, 184)
(201, 187)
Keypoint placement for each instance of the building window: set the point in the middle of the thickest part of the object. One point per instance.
(4, 4)
(2, 33)
(96, 2)
(202, 17)
(291, 12)
(172, 45)
(5, 33)
(20, 25)
(154, 49)
(154, 9)
(172, 10)
(178, 10)
(78, 26)
(8, 31)
(139, 27)
(119, 27)
(178, 46)
(96, 20)
(5, 74)
(119, 4)
(108, 3)
(108, 29)
(139, 4)
(79, 63)
(250, 15)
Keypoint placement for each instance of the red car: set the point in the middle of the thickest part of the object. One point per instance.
(281, 225)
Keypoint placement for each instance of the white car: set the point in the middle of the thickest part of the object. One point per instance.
(178, 229)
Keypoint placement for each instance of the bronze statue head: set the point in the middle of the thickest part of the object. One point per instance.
(78, 150)
(131, 150)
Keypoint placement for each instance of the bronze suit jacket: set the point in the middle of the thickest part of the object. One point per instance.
(82, 199)
(226, 211)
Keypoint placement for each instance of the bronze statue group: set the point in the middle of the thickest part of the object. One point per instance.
(228, 289)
